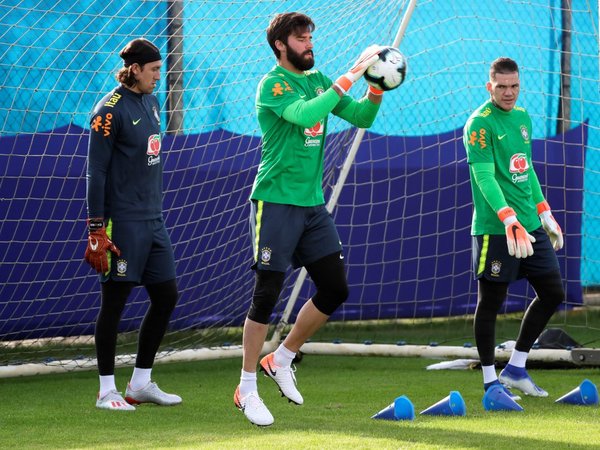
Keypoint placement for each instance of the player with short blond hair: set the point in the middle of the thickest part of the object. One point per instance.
(514, 233)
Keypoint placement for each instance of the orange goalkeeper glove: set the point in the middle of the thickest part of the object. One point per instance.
(518, 239)
(550, 225)
(366, 59)
(98, 246)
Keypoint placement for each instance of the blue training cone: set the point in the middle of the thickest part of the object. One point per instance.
(452, 405)
(495, 399)
(584, 394)
(401, 409)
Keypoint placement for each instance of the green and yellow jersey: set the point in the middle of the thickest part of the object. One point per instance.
(498, 145)
(292, 113)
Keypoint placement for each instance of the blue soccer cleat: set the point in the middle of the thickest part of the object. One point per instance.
(508, 392)
(517, 377)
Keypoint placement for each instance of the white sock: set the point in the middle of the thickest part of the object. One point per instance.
(518, 359)
(283, 357)
(140, 378)
(489, 374)
(247, 383)
(107, 384)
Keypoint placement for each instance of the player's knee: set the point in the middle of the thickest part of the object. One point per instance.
(164, 296)
(266, 293)
(550, 290)
(329, 298)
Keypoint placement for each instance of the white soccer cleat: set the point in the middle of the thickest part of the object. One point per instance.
(253, 408)
(114, 401)
(519, 379)
(151, 393)
(284, 377)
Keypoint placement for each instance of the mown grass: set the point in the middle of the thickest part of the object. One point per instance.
(341, 394)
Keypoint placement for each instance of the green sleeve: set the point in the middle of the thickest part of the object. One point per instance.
(536, 189)
(360, 113)
(307, 113)
(485, 181)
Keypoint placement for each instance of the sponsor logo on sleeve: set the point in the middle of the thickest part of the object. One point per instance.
(102, 124)
(478, 137)
(112, 101)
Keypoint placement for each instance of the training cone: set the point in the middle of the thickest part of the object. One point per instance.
(584, 394)
(452, 405)
(495, 399)
(401, 409)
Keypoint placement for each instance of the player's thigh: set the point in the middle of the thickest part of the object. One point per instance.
(160, 266)
(543, 261)
(134, 239)
(275, 230)
(490, 259)
(320, 238)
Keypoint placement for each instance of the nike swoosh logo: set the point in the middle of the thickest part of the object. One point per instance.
(273, 372)
(94, 245)
(135, 122)
(341, 256)
(301, 96)
(501, 137)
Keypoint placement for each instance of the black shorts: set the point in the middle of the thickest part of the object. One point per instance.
(492, 261)
(287, 234)
(146, 252)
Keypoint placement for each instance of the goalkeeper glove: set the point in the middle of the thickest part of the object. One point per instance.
(517, 238)
(550, 225)
(366, 59)
(98, 246)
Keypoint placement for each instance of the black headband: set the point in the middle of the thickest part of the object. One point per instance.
(141, 58)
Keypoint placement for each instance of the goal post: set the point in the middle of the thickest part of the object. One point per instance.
(399, 191)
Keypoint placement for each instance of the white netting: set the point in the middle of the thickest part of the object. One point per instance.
(403, 214)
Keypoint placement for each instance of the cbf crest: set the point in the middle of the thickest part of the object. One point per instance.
(265, 255)
(524, 133)
(121, 268)
(496, 267)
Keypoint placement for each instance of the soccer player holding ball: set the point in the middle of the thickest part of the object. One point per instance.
(514, 233)
(290, 224)
(128, 244)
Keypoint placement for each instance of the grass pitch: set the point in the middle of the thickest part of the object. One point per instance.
(341, 394)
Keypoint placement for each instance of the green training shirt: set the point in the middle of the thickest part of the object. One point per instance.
(292, 113)
(498, 145)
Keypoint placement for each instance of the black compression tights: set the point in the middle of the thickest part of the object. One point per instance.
(491, 295)
(163, 297)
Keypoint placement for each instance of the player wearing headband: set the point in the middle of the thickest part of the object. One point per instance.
(128, 244)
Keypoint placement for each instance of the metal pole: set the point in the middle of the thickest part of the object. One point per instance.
(563, 121)
(175, 67)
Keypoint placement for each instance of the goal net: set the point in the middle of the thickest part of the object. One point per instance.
(403, 212)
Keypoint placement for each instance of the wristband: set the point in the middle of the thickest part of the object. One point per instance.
(344, 83)
(505, 213)
(375, 91)
(94, 224)
(542, 206)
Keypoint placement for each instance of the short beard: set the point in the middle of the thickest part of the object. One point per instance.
(297, 60)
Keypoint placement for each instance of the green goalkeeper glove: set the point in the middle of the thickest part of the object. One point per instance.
(518, 239)
(550, 225)
(366, 59)
(98, 246)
